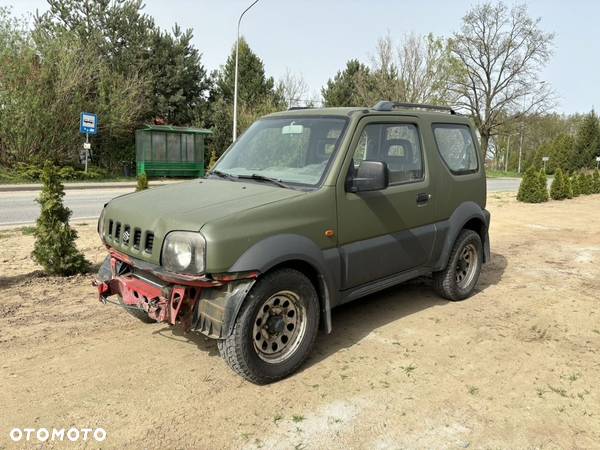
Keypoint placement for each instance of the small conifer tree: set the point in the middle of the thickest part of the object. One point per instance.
(569, 185)
(584, 184)
(530, 190)
(142, 182)
(543, 186)
(596, 181)
(213, 159)
(559, 189)
(576, 189)
(54, 247)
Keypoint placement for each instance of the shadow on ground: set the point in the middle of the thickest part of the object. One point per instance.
(6, 282)
(353, 321)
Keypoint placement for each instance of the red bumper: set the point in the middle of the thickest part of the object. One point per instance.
(172, 298)
(165, 302)
(162, 305)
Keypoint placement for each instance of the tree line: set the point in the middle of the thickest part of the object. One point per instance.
(110, 57)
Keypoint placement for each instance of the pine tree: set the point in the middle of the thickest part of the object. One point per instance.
(587, 140)
(530, 190)
(257, 96)
(55, 248)
(559, 189)
(142, 182)
(342, 90)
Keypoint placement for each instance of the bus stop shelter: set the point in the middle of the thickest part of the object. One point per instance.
(169, 151)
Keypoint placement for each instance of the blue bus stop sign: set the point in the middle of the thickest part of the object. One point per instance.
(88, 123)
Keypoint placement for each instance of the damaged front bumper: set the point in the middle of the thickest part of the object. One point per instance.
(206, 304)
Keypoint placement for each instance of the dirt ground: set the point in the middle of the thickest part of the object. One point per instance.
(515, 366)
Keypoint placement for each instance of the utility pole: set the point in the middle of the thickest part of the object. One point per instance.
(235, 87)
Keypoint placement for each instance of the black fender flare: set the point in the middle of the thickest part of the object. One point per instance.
(282, 248)
(457, 221)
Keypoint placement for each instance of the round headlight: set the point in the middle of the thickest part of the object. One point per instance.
(183, 251)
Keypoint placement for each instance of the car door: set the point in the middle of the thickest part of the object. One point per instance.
(382, 233)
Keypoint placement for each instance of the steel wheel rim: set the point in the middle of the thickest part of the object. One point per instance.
(466, 266)
(279, 327)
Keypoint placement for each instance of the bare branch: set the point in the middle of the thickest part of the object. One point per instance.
(500, 52)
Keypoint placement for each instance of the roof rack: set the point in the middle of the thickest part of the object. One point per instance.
(293, 108)
(385, 105)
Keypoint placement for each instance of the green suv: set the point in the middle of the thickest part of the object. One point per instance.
(309, 209)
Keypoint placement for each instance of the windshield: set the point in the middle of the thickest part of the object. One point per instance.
(292, 150)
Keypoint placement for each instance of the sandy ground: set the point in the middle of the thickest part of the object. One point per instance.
(515, 366)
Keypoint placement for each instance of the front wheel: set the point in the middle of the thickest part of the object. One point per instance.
(275, 329)
(458, 280)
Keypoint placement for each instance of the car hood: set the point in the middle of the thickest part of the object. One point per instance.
(197, 202)
(184, 206)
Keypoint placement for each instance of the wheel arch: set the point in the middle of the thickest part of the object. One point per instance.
(322, 267)
(471, 216)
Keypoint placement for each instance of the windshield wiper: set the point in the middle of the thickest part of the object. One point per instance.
(257, 177)
(222, 174)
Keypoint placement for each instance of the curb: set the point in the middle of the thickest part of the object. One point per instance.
(79, 186)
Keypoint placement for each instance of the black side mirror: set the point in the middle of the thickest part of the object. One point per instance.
(370, 176)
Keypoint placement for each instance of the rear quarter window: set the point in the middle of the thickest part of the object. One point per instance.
(456, 147)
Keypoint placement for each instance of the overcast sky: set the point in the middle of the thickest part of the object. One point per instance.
(317, 37)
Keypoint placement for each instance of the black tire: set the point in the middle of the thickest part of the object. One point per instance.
(139, 314)
(446, 282)
(240, 350)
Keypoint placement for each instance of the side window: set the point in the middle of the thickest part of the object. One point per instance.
(397, 145)
(456, 146)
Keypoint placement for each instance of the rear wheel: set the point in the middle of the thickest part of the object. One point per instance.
(458, 280)
(275, 329)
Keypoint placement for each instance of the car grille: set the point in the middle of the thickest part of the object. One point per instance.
(125, 235)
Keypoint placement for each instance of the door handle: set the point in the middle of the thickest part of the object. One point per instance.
(423, 197)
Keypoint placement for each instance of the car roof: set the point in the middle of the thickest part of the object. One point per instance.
(364, 111)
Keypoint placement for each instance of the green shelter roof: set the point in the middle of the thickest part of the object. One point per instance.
(174, 129)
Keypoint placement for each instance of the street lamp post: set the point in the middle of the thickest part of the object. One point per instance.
(520, 149)
(521, 140)
(235, 87)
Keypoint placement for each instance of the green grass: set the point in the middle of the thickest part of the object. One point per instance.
(11, 176)
(501, 173)
(473, 390)
(8, 177)
(558, 390)
(27, 231)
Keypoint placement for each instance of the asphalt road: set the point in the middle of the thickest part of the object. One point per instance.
(19, 208)
(503, 184)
